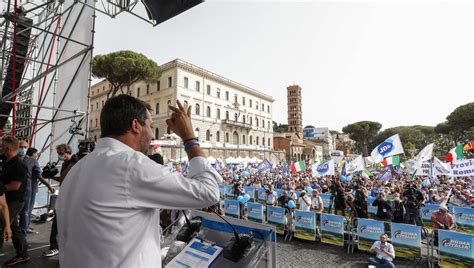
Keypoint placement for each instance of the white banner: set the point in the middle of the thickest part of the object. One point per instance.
(441, 168)
(323, 169)
(389, 147)
(463, 168)
(355, 165)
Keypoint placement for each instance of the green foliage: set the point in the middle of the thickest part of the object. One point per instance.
(309, 126)
(279, 128)
(362, 133)
(412, 137)
(462, 118)
(123, 68)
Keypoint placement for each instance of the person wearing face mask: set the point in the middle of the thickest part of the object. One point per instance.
(14, 176)
(398, 210)
(108, 206)
(28, 155)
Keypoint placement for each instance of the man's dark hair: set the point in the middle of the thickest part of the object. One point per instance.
(31, 151)
(118, 113)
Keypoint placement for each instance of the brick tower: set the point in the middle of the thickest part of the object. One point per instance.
(295, 114)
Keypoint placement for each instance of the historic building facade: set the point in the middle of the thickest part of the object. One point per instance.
(229, 119)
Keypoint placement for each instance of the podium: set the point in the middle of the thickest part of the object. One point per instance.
(262, 252)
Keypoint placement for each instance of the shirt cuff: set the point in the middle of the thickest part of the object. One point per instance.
(199, 165)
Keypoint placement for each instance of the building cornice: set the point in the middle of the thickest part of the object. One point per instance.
(177, 63)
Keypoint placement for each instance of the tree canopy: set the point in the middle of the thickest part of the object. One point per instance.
(123, 68)
(362, 133)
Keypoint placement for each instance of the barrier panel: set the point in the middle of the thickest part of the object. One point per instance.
(262, 196)
(279, 192)
(326, 200)
(464, 219)
(426, 212)
(455, 249)
(369, 231)
(251, 192)
(231, 208)
(305, 225)
(332, 229)
(406, 240)
(255, 212)
(228, 191)
(276, 216)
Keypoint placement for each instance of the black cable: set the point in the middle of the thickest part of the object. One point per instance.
(233, 229)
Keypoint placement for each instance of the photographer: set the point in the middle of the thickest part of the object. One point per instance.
(383, 208)
(413, 202)
(385, 253)
(360, 201)
(304, 201)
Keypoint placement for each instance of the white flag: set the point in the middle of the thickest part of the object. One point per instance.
(323, 169)
(355, 165)
(424, 155)
(441, 168)
(389, 147)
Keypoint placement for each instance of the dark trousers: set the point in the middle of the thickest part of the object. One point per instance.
(53, 241)
(412, 216)
(18, 237)
(380, 263)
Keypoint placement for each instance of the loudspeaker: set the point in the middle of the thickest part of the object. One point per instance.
(162, 10)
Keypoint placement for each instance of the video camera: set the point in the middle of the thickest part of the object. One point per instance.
(50, 170)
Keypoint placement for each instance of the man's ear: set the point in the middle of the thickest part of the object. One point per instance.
(136, 126)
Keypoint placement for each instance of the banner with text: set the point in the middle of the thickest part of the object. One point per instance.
(251, 192)
(326, 200)
(231, 208)
(305, 225)
(464, 219)
(262, 195)
(463, 168)
(276, 216)
(332, 229)
(228, 191)
(455, 249)
(369, 231)
(222, 191)
(255, 212)
(406, 239)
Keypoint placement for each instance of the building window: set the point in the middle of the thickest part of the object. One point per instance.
(250, 140)
(263, 141)
(227, 95)
(92, 107)
(157, 133)
(208, 89)
(236, 117)
(170, 81)
(268, 108)
(102, 104)
(263, 107)
(198, 108)
(250, 120)
(227, 137)
(235, 98)
(196, 133)
(250, 103)
(157, 108)
(227, 115)
(208, 135)
(138, 92)
(186, 82)
(256, 141)
(96, 122)
(256, 121)
(243, 119)
(269, 144)
(96, 105)
(218, 93)
(158, 85)
(148, 89)
(218, 113)
(243, 101)
(243, 139)
(263, 123)
(256, 105)
(198, 86)
(208, 111)
(218, 136)
(268, 125)
(168, 107)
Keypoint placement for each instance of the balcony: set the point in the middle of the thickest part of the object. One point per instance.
(236, 124)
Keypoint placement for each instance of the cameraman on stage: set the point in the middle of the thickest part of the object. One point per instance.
(413, 201)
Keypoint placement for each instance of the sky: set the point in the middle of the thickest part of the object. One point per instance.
(394, 62)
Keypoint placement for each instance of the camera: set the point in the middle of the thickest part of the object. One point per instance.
(50, 170)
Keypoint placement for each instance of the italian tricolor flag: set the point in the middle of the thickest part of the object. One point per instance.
(455, 154)
(391, 161)
(298, 166)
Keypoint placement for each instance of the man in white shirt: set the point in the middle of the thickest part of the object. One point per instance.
(108, 206)
(385, 253)
(271, 196)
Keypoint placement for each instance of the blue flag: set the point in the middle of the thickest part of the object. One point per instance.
(386, 175)
(343, 171)
(264, 166)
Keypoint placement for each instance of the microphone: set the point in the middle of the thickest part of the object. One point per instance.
(235, 248)
(188, 231)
